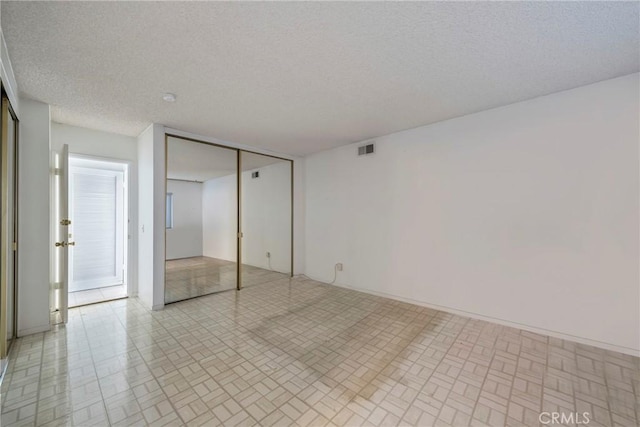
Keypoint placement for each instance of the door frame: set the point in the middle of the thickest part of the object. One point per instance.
(128, 256)
(119, 167)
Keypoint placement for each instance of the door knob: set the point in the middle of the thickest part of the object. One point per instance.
(63, 244)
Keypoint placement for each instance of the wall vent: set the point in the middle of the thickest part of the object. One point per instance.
(255, 174)
(363, 150)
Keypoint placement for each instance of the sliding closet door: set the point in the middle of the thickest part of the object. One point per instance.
(265, 218)
(201, 219)
(8, 227)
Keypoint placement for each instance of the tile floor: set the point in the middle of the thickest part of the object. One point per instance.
(298, 352)
(197, 276)
(92, 296)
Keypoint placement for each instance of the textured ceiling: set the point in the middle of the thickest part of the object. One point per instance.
(302, 77)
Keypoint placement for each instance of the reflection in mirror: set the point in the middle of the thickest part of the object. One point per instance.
(201, 229)
(266, 219)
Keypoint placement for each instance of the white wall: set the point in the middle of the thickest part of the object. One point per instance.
(266, 217)
(184, 240)
(110, 146)
(526, 214)
(33, 225)
(151, 220)
(219, 218)
(299, 217)
(93, 142)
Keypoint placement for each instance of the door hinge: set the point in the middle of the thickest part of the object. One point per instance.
(56, 285)
(57, 171)
(240, 235)
(65, 222)
(15, 246)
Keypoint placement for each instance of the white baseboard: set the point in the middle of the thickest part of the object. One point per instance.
(34, 330)
(534, 329)
(147, 304)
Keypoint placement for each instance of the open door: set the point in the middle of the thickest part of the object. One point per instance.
(61, 227)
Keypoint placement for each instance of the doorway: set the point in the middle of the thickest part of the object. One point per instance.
(97, 230)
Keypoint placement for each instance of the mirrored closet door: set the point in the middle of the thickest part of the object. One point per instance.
(8, 227)
(229, 219)
(201, 219)
(266, 218)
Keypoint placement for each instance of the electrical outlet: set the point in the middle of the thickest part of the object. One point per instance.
(268, 254)
(339, 266)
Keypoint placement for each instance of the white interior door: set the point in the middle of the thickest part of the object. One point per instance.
(61, 184)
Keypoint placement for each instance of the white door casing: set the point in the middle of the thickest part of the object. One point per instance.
(61, 281)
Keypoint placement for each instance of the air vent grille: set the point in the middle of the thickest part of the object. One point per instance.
(363, 150)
